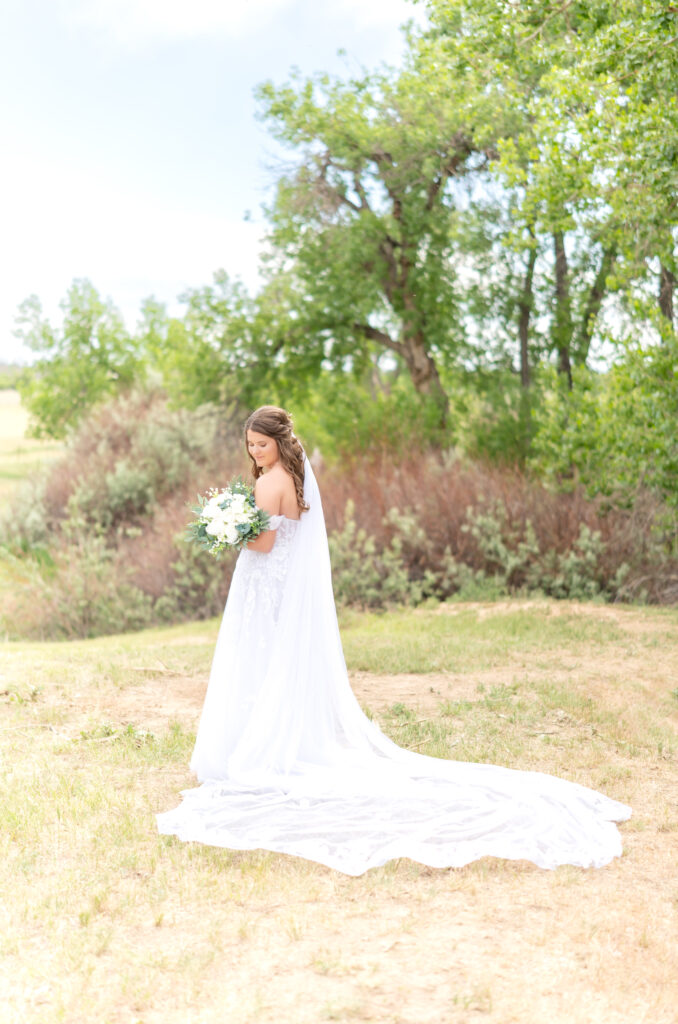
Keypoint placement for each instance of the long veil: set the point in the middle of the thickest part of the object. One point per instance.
(290, 763)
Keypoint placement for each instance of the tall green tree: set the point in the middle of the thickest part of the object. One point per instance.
(363, 223)
(625, 111)
(556, 251)
(89, 357)
(212, 352)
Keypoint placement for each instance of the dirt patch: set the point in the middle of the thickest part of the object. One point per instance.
(423, 693)
(157, 932)
(640, 672)
(155, 702)
(160, 697)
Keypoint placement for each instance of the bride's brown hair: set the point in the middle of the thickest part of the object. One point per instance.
(276, 423)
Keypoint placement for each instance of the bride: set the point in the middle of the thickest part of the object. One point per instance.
(287, 759)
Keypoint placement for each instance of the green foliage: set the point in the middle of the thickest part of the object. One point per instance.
(365, 219)
(216, 353)
(504, 199)
(89, 540)
(491, 415)
(364, 576)
(406, 571)
(583, 97)
(24, 524)
(346, 416)
(82, 592)
(514, 562)
(507, 550)
(449, 233)
(196, 588)
(10, 374)
(615, 432)
(90, 357)
(137, 452)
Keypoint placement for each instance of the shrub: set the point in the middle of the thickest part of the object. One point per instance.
(98, 543)
(614, 433)
(84, 592)
(471, 529)
(365, 576)
(198, 586)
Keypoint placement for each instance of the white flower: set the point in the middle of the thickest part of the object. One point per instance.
(238, 503)
(232, 535)
(211, 509)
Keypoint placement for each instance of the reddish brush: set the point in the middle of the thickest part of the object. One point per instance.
(116, 504)
(445, 496)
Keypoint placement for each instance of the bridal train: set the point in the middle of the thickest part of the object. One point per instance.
(288, 761)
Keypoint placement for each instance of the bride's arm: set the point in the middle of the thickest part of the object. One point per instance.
(267, 494)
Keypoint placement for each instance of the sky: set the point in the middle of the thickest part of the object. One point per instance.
(131, 151)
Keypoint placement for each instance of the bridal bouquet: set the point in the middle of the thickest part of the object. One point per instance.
(227, 519)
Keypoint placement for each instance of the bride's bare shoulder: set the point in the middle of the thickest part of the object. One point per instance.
(272, 488)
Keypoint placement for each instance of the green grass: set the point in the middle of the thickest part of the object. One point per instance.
(108, 921)
(453, 638)
(117, 659)
(20, 456)
(460, 640)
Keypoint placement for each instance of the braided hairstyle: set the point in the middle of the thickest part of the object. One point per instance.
(277, 424)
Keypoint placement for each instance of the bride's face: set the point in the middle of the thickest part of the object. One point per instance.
(263, 449)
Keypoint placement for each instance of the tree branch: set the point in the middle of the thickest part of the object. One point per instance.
(387, 249)
(562, 328)
(360, 192)
(525, 303)
(593, 304)
(460, 147)
(667, 287)
(374, 334)
(553, 14)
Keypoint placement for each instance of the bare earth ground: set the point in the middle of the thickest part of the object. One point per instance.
(156, 931)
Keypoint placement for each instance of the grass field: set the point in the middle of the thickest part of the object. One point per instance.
(19, 455)
(103, 920)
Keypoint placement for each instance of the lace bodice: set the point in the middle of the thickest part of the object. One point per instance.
(262, 574)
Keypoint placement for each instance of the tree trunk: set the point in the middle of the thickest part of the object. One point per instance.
(424, 373)
(667, 285)
(562, 328)
(420, 364)
(593, 304)
(525, 307)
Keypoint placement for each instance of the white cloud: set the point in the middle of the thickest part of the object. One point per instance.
(65, 217)
(364, 14)
(126, 241)
(140, 23)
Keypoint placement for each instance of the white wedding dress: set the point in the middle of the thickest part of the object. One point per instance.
(288, 761)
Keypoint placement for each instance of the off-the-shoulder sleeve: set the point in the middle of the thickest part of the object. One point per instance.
(274, 522)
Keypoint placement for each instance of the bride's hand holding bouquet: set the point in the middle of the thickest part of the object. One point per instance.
(228, 519)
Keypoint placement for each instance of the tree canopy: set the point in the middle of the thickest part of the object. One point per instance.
(443, 235)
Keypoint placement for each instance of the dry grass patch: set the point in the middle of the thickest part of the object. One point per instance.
(108, 921)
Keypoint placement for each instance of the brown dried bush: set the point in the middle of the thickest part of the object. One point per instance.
(103, 551)
(636, 548)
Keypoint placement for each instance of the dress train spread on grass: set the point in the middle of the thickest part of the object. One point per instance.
(289, 763)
